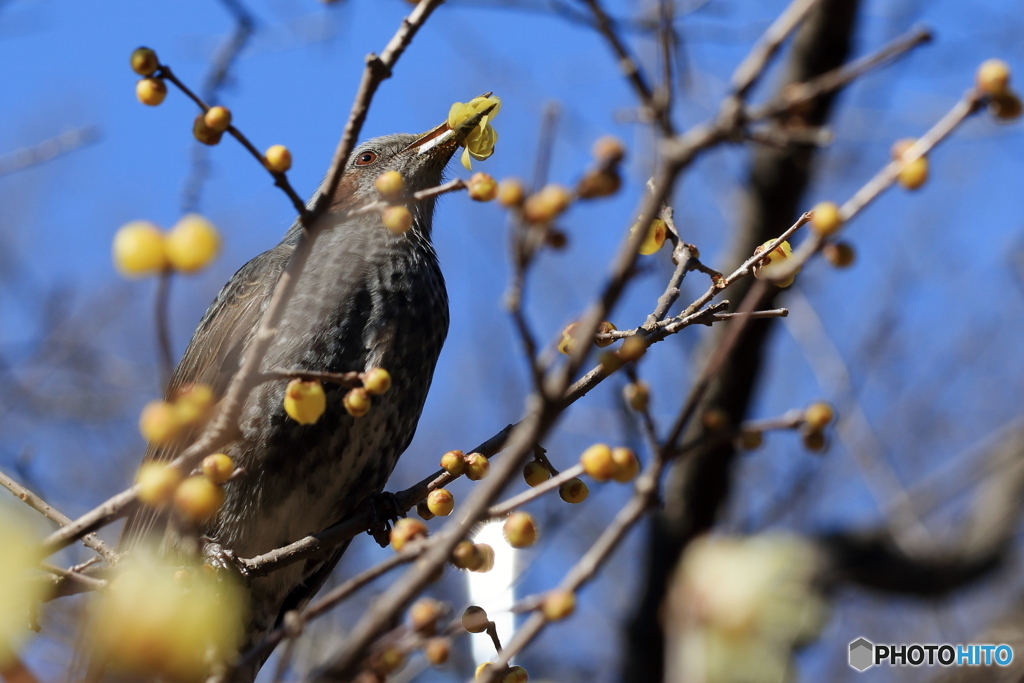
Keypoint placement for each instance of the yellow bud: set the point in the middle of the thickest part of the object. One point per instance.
(511, 192)
(637, 395)
(157, 482)
(632, 349)
(218, 467)
(599, 183)
(914, 174)
(277, 158)
(357, 402)
(198, 499)
(139, 249)
(159, 422)
(993, 77)
(424, 614)
(604, 328)
(818, 415)
(377, 381)
(151, 91)
(437, 651)
(655, 237)
(535, 473)
(390, 184)
(487, 553)
(558, 604)
(218, 119)
(192, 243)
(483, 671)
(516, 674)
(304, 402)
(466, 555)
(454, 463)
(520, 530)
(477, 467)
(626, 464)
(771, 263)
(441, 502)
(406, 530)
(397, 219)
(203, 133)
(482, 187)
(144, 61)
(597, 462)
(839, 254)
(573, 491)
(546, 205)
(609, 149)
(193, 403)
(827, 218)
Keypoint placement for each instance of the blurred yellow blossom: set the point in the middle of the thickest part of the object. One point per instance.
(479, 143)
(742, 604)
(18, 593)
(174, 622)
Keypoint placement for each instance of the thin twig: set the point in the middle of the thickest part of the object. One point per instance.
(54, 515)
(631, 69)
(753, 67)
(502, 509)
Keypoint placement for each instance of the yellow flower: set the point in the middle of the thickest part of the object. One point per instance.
(18, 594)
(772, 265)
(189, 621)
(479, 143)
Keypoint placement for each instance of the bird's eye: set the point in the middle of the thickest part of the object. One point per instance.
(366, 158)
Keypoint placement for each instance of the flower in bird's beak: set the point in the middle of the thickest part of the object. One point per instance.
(479, 143)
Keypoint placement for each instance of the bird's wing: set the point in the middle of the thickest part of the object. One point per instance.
(213, 355)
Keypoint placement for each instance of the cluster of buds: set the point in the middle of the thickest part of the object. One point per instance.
(305, 400)
(196, 498)
(162, 422)
(456, 463)
(603, 463)
(474, 557)
(140, 248)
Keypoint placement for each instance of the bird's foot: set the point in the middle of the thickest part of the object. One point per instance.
(385, 510)
(223, 559)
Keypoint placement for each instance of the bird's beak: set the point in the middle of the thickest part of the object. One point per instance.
(443, 137)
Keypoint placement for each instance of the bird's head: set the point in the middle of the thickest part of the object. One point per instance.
(420, 159)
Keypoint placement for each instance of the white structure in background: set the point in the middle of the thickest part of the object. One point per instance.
(493, 591)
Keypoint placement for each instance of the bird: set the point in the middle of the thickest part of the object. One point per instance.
(366, 298)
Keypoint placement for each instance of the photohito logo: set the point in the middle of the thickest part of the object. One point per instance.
(865, 654)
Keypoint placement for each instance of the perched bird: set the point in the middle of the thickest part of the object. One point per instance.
(367, 298)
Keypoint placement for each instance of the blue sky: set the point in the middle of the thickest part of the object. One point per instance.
(928, 320)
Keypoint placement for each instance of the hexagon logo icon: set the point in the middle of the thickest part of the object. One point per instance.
(862, 654)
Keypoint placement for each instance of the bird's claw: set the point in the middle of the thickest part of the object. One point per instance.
(384, 510)
(223, 559)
